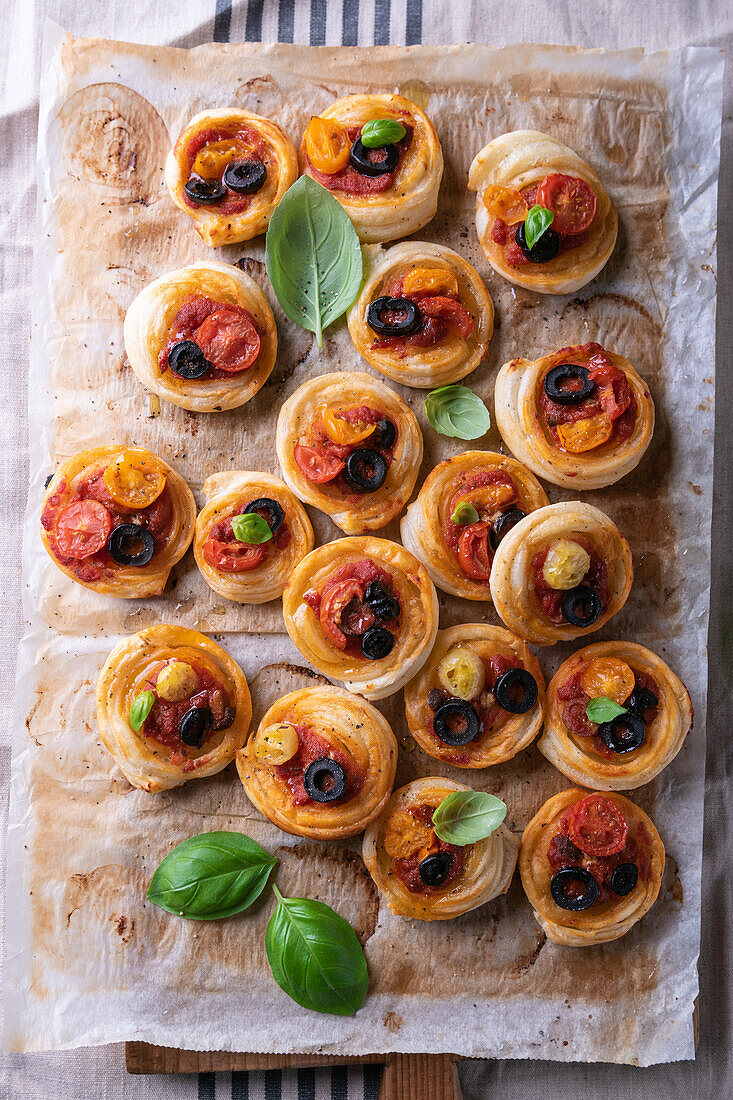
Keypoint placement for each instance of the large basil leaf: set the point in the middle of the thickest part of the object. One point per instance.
(210, 876)
(465, 817)
(313, 256)
(457, 411)
(316, 957)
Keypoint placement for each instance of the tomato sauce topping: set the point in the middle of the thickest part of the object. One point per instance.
(351, 182)
(490, 715)
(571, 693)
(340, 607)
(163, 722)
(407, 869)
(233, 202)
(223, 550)
(470, 543)
(550, 599)
(321, 460)
(438, 315)
(612, 395)
(572, 201)
(312, 746)
(227, 334)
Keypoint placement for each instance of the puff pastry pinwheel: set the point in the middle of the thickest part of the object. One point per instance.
(526, 180)
(171, 706)
(423, 317)
(116, 519)
(228, 171)
(591, 866)
(380, 156)
(478, 700)
(626, 744)
(466, 506)
(351, 447)
(250, 560)
(422, 876)
(561, 573)
(363, 611)
(203, 337)
(321, 765)
(581, 417)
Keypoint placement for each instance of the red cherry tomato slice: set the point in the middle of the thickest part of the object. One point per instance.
(83, 528)
(614, 392)
(571, 200)
(334, 602)
(233, 557)
(597, 826)
(453, 313)
(318, 466)
(229, 340)
(474, 556)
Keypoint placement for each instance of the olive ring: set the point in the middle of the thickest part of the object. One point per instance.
(275, 516)
(573, 602)
(321, 772)
(624, 733)
(564, 372)
(204, 192)
(130, 544)
(187, 360)
(562, 878)
(245, 176)
(365, 470)
(359, 159)
(403, 326)
(466, 731)
(505, 695)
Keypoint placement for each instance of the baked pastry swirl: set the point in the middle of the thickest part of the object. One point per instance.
(581, 417)
(402, 839)
(228, 171)
(631, 748)
(479, 699)
(363, 611)
(351, 447)
(466, 506)
(561, 573)
(423, 317)
(525, 169)
(116, 519)
(321, 765)
(250, 572)
(203, 337)
(389, 190)
(172, 705)
(591, 866)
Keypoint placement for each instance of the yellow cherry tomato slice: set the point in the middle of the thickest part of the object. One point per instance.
(340, 430)
(176, 682)
(134, 482)
(405, 834)
(327, 145)
(609, 677)
(213, 159)
(565, 565)
(462, 673)
(505, 203)
(487, 499)
(276, 744)
(584, 435)
(433, 281)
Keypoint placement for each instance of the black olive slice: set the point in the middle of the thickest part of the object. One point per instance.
(401, 326)
(359, 159)
(245, 176)
(503, 524)
(375, 592)
(562, 879)
(187, 360)
(384, 435)
(48, 481)
(555, 378)
(581, 606)
(387, 609)
(195, 724)
(376, 643)
(365, 470)
(324, 780)
(434, 869)
(456, 722)
(274, 514)
(130, 544)
(623, 878)
(516, 690)
(624, 733)
(204, 192)
(543, 250)
(641, 699)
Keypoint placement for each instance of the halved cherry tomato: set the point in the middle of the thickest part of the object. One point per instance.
(430, 281)
(614, 391)
(318, 466)
(233, 557)
(473, 551)
(609, 677)
(334, 602)
(583, 435)
(327, 145)
(486, 499)
(404, 834)
(83, 528)
(505, 203)
(133, 481)
(214, 158)
(342, 431)
(571, 200)
(453, 313)
(597, 826)
(229, 340)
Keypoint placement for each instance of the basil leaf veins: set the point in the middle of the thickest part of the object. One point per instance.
(458, 412)
(465, 817)
(381, 131)
(251, 528)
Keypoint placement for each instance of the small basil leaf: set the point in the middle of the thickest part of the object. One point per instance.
(210, 876)
(313, 256)
(464, 514)
(538, 220)
(467, 816)
(603, 709)
(457, 411)
(315, 956)
(381, 131)
(141, 707)
(251, 528)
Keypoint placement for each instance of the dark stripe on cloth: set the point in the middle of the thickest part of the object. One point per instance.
(222, 20)
(253, 23)
(306, 1084)
(339, 1083)
(350, 23)
(372, 1081)
(273, 1084)
(207, 1086)
(318, 22)
(413, 23)
(285, 20)
(240, 1085)
(381, 22)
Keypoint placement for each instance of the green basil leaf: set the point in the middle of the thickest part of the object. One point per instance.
(457, 411)
(141, 707)
(210, 876)
(381, 131)
(313, 256)
(467, 816)
(464, 514)
(538, 220)
(251, 528)
(315, 956)
(603, 709)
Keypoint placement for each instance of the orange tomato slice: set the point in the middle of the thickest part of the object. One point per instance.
(487, 499)
(327, 145)
(134, 482)
(584, 435)
(505, 203)
(609, 677)
(405, 834)
(431, 281)
(340, 430)
(213, 159)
